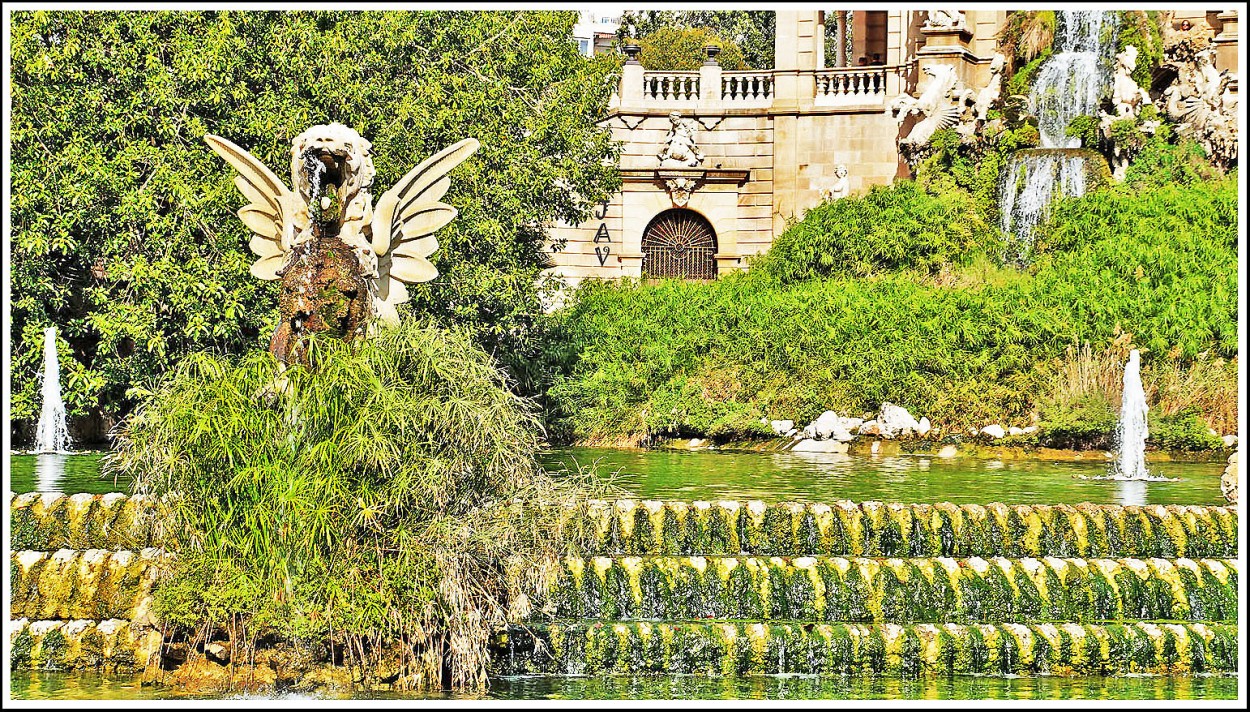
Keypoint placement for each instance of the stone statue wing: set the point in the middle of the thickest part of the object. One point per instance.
(272, 212)
(406, 218)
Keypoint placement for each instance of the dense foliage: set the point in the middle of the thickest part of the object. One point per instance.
(749, 33)
(973, 344)
(359, 502)
(888, 229)
(682, 49)
(124, 233)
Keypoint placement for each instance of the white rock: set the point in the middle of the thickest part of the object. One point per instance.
(809, 445)
(826, 424)
(1032, 429)
(792, 432)
(924, 426)
(1013, 430)
(870, 427)
(994, 431)
(948, 451)
(781, 427)
(1229, 440)
(695, 442)
(895, 421)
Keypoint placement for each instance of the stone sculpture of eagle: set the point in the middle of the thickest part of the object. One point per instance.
(343, 262)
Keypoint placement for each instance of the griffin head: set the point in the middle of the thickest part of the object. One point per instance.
(331, 158)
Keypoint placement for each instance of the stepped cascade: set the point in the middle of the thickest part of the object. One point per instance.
(733, 588)
(1069, 84)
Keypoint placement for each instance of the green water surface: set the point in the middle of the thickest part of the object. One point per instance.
(775, 477)
(824, 477)
(29, 685)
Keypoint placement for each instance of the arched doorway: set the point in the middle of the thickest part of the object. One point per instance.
(679, 243)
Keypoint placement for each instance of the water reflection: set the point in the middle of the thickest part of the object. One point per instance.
(50, 471)
(826, 477)
(1132, 491)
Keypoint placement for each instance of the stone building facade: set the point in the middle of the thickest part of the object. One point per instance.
(773, 143)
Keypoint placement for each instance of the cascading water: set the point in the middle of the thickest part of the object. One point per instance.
(1069, 84)
(52, 435)
(1131, 433)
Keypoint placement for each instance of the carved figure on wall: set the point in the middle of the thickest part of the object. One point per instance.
(987, 97)
(841, 185)
(1201, 98)
(941, 103)
(680, 148)
(945, 19)
(342, 260)
(1127, 97)
(1127, 100)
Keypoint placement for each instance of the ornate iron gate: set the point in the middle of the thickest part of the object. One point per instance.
(679, 243)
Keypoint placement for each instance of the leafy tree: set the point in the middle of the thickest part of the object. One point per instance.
(680, 48)
(752, 32)
(124, 233)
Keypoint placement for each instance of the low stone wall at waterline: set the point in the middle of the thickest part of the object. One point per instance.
(740, 588)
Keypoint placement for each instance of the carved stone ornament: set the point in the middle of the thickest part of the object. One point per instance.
(1202, 99)
(1128, 100)
(342, 260)
(680, 149)
(840, 187)
(945, 19)
(944, 103)
(680, 189)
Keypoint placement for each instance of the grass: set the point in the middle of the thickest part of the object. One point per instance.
(355, 505)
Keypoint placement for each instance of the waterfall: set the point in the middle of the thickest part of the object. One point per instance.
(1069, 84)
(53, 434)
(1131, 432)
(1030, 182)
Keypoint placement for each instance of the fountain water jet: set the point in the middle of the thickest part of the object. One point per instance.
(52, 435)
(1132, 431)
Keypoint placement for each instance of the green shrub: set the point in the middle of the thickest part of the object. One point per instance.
(889, 228)
(1086, 423)
(1085, 127)
(357, 501)
(1185, 430)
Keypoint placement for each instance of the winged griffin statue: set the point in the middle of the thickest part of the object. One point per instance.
(342, 261)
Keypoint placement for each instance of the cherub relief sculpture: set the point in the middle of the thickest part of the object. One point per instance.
(680, 149)
(342, 260)
(840, 187)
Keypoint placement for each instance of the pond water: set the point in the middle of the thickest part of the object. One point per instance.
(824, 477)
(52, 686)
(774, 477)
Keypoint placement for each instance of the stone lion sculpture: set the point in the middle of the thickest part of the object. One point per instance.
(343, 260)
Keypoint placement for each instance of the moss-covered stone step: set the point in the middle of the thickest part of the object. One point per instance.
(110, 645)
(733, 648)
(48, 521)
(894, 590)
(94, 584)
(114, 521)
(846, 528)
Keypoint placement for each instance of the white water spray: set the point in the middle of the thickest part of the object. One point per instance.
(1131, 433)
(1069, 84)
(52, 435)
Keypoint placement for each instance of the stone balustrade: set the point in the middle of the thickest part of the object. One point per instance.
(849, 89)
(852, 86)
